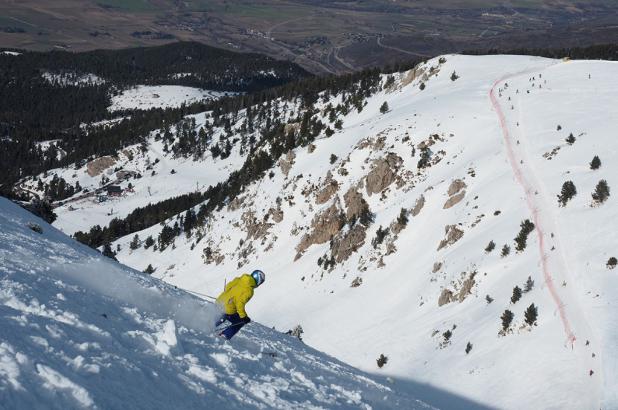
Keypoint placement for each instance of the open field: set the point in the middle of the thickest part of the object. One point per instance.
(322, 36)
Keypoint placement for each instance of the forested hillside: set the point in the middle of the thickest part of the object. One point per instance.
(51, 96)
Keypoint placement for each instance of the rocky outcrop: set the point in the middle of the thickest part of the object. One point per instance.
(212, 255)
(456, 192)
(445, 297)
(323, 227)
(355, 204)
(287, 162)
(255, 228)
(345, 244)
(465, 289)
(420, 203)
(453, 234)
(376, 144)
(383, 173)
(97, 166)
(328, 190)
(456, 187)
(235, 203)
(276, 214)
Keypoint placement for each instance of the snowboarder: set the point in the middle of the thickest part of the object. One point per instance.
(233, 300)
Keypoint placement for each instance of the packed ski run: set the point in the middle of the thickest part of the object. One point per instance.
(81, 331)
(466, 152)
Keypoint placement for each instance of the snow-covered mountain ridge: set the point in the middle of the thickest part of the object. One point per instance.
(395, 233)
(81, 331)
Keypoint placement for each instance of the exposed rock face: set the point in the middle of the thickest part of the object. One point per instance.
(97, 166)
(235, 203)
(276, 214)
(287, 162)
(453, 234)
(343, 246)
(356, 282)
(323, 227)
(376, 144)
(383, 173)
(448, 296)
(454, 200)
(212, 255)
(445, 297)
(436, 267)
(456, 192)
(355, 204)
(326, 193)
(411, 75)
(420, 203)
(456, 186)
(255, 229)
(466, 287)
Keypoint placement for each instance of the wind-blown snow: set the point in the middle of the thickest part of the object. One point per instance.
(145, 97)
(81, 331)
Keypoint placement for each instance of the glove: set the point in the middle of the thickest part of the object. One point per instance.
(246, 319)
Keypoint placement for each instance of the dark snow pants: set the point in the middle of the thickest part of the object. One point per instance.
(236, 324)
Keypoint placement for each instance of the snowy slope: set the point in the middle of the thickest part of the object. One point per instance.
(145, 97)
(494, 127)
(162, 176)
(81, 331)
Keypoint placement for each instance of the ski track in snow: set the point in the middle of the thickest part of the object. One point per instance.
(530, 191)
(553, 264)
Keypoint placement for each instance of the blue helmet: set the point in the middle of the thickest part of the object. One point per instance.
(259, 277)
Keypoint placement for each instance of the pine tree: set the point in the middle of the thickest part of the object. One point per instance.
(107, 251)
(384, 108)
(490, 246)
(529, 285)
(454, 76)
(507, 318)
(488, 299)
(601, 192)
(522, 236)
(149, 242)
(567, 193)
(516, 294)
(333, 159)
(468, 347)
(149, 269)
(382, 360)
(134, 243)
(506, 249)
(531, 314)
(570, 139)
(595, 163)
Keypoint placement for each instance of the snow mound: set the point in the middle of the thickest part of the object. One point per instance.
(80, 330)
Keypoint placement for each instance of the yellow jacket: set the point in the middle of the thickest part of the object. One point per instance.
(236, 295)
